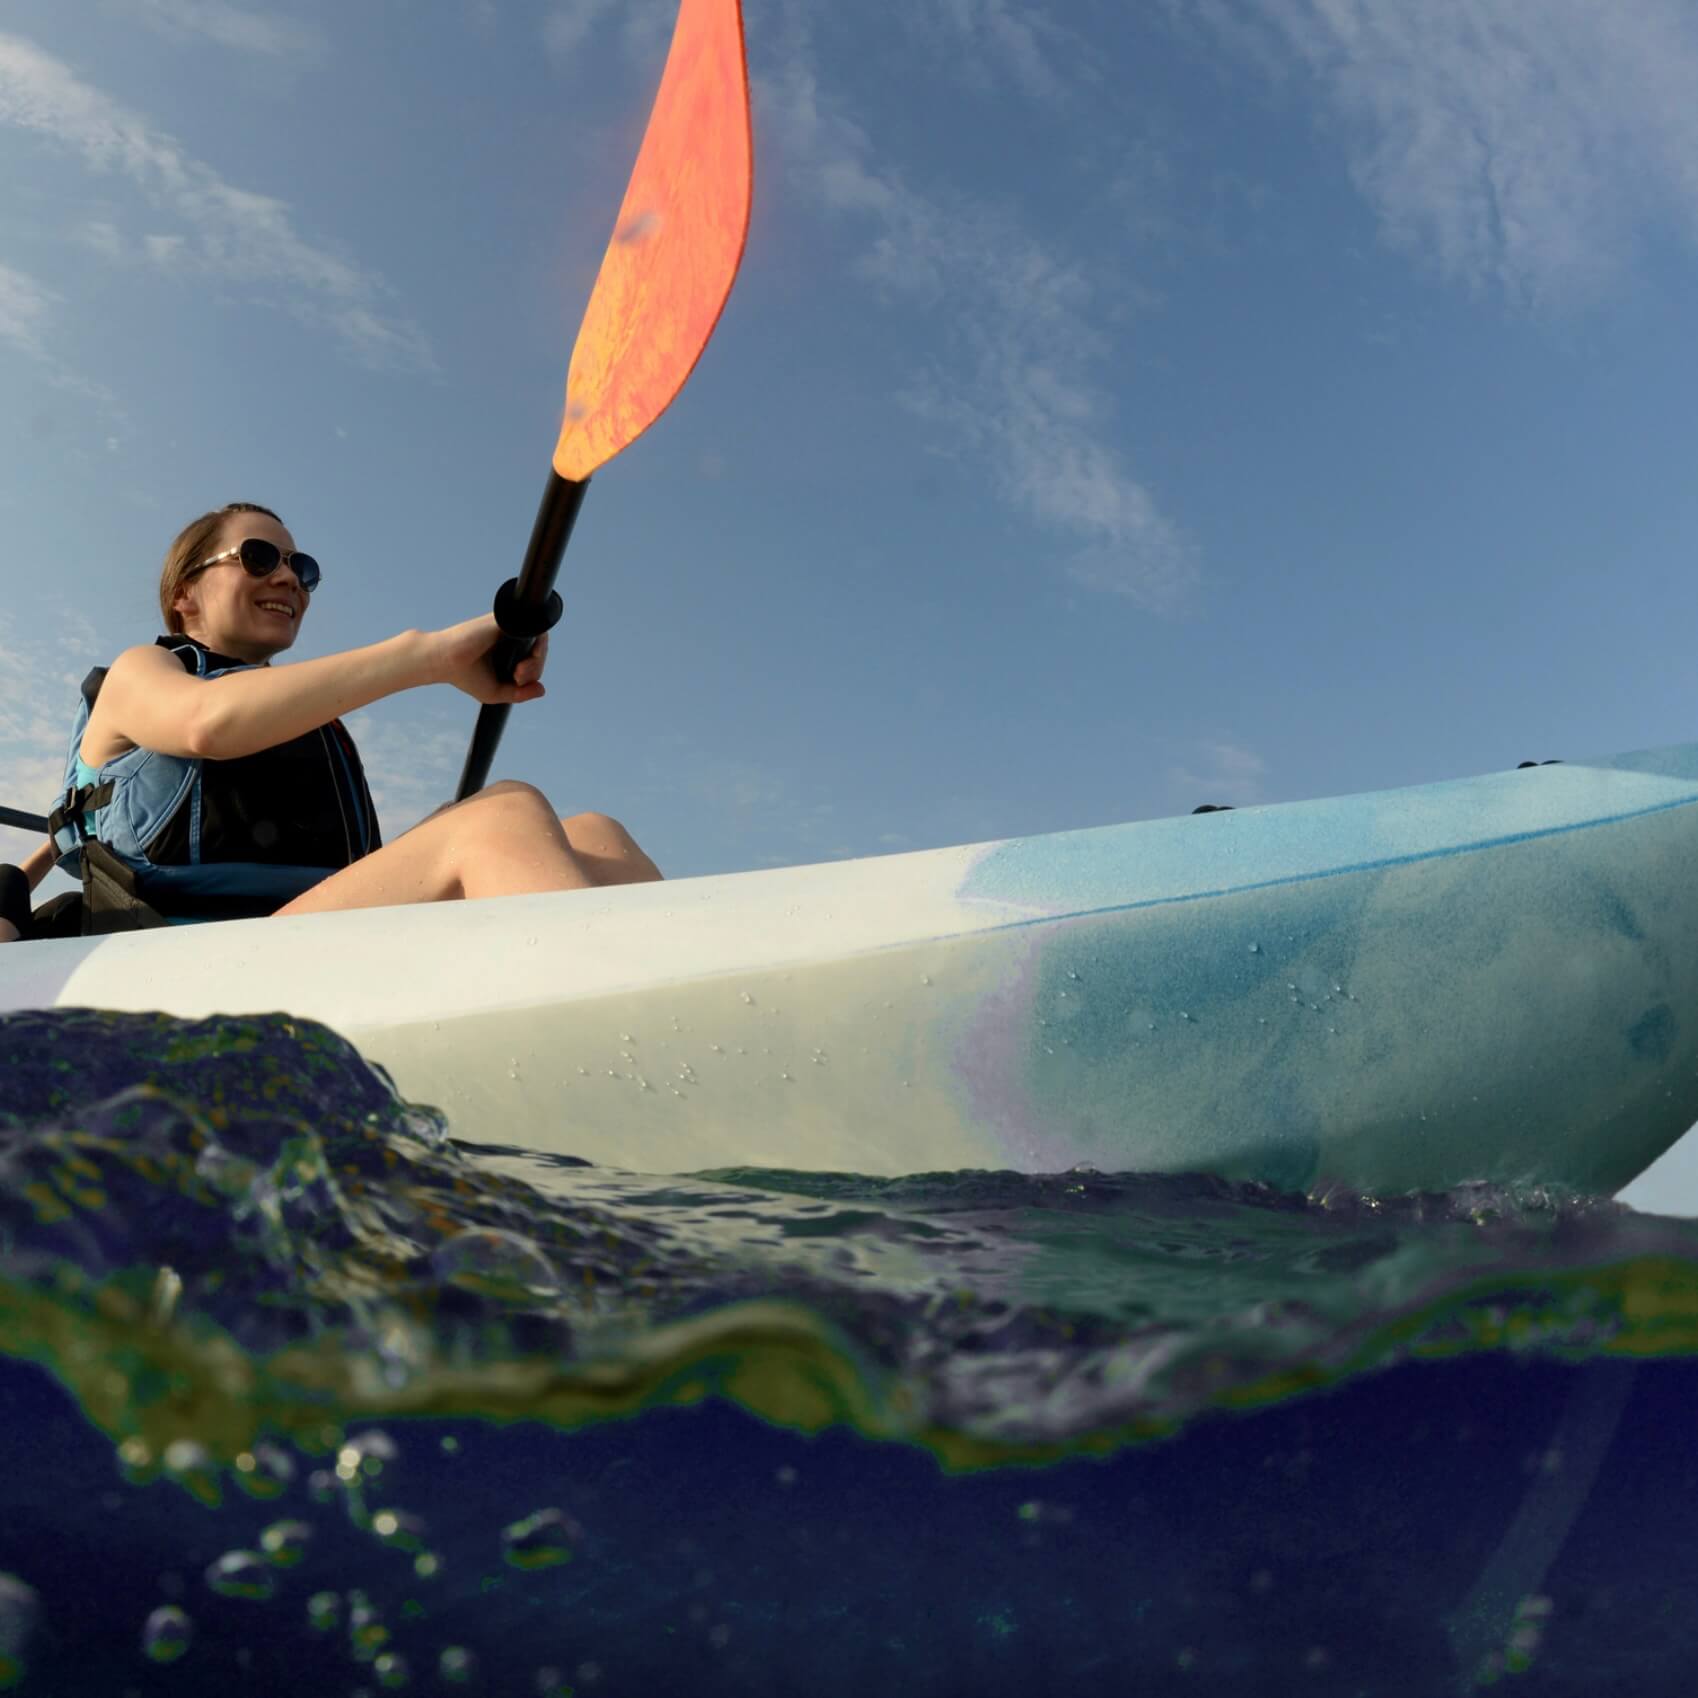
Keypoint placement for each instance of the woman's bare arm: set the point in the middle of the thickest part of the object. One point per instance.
(148, 701)
(40, 863)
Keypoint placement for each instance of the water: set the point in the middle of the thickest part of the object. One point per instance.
(299, 1393)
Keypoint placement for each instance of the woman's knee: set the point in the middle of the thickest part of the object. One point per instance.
(596, 828)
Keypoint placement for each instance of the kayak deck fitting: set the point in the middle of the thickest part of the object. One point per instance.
(1492, 978)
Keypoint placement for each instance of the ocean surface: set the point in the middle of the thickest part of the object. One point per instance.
(299, 1395)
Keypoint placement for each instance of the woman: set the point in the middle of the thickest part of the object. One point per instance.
(207, 783)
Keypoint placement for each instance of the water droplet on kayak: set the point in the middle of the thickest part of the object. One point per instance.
(786, 1077)
(1183, 1015)
(583, 1072)
(1255, 949)
(645, 1084)
(746, 998)
(926, 979)
(716, 1049)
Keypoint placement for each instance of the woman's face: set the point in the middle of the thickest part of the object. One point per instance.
(235, 613)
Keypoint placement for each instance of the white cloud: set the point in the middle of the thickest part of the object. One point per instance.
(1531, 147)
(231, 233)
(226, 25)
(25, 307)
(1022, 399)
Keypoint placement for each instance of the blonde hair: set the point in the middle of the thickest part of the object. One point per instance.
(187, 552)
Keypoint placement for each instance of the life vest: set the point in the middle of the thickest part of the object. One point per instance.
(168, 839)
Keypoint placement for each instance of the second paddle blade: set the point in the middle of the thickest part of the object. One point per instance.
(676, 245)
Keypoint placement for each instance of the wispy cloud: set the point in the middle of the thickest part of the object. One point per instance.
(1219, 771)
(25, 307)
(567, 25)
(1536, 148)
(1021, 323)
(233, 234)
(225, 25)
(992, 41)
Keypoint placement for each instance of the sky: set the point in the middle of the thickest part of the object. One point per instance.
(1121, 407)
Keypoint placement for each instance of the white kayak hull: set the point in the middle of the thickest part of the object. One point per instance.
(1489, 979)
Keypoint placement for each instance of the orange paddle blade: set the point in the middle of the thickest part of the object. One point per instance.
(676, 246)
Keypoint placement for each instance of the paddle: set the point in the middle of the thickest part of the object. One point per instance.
(24, 822)
(663, 282)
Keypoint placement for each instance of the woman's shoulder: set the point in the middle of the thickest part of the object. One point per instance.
(144, 656)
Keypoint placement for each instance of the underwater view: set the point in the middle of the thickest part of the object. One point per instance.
(297, 1392)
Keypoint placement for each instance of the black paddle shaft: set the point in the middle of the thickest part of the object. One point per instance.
(525, 607)
(17, 818)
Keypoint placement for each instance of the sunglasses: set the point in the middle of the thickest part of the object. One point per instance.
(260, 559)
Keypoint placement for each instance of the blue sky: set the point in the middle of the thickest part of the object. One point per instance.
(1121, 407)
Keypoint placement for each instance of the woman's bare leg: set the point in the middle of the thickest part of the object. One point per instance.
(504, 841)
(607, 851)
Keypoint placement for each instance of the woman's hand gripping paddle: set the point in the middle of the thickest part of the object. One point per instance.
(663, 282)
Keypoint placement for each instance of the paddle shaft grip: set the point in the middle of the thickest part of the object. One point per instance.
(21, 821)
(525, 607)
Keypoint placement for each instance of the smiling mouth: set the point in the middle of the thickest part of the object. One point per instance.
(277, 607)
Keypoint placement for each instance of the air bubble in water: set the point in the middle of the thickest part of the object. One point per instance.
(391, 1670)
(543, 1540)
(20, 1616)
(242, 1574)
(457, 1665)
(166, 1634)
(285, 1542)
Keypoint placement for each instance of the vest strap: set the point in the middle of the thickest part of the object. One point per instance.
(76, 805)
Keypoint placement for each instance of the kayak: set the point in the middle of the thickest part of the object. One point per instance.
(1494, 979)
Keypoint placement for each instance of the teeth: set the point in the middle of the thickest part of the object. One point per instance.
(278, 607)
